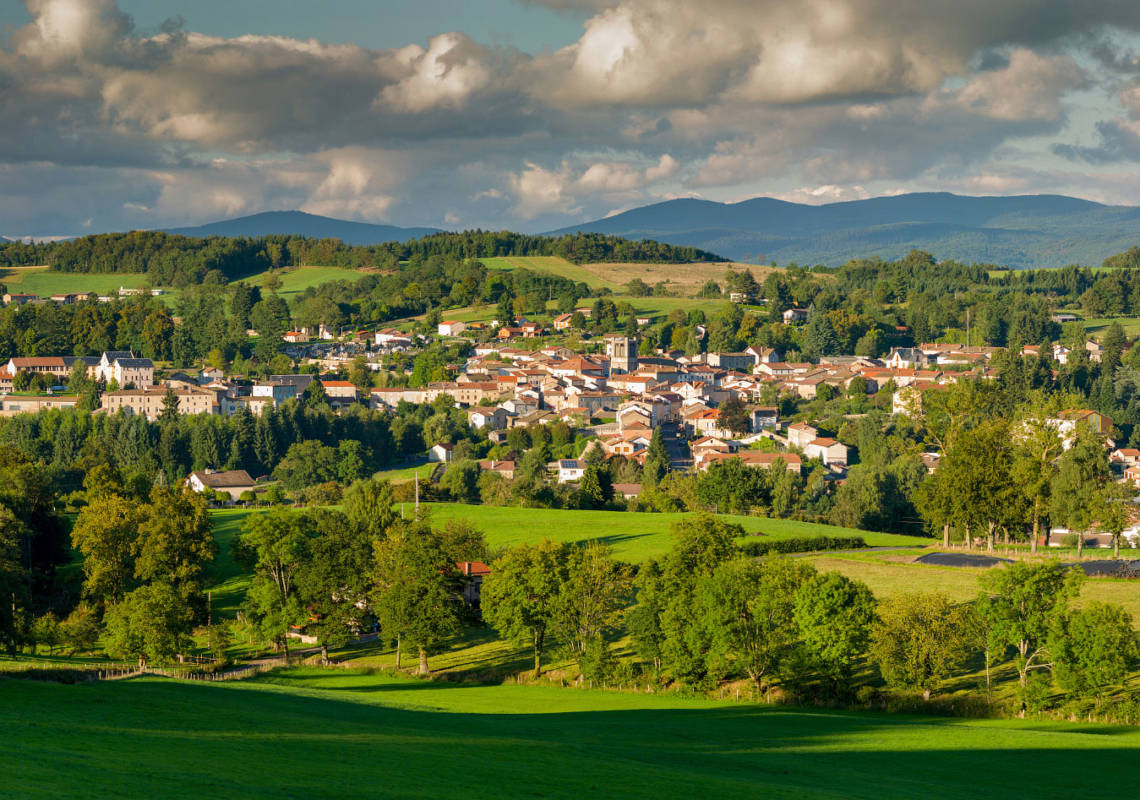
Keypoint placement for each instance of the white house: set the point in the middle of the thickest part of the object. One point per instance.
(231, 483)
(440, 453)
(828, 451)
(482, 417)
(570, 470)
(451, 328)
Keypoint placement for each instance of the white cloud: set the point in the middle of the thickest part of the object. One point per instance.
(444, 75)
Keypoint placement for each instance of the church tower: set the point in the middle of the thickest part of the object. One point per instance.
(622, 351)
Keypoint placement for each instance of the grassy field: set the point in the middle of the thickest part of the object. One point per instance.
(889, 573)
(633, 537)
(686, 278)
(1131, 325)
(295, 280)
(37, 280)
(552, 265)
(227, 582)
(304, 733)
(406, 473)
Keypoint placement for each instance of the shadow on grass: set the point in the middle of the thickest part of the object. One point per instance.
(157, 737)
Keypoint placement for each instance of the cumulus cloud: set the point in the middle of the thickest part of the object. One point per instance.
(675, 52)
(808, 99)
(540, 190)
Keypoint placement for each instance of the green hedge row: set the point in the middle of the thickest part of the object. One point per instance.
(803, 544)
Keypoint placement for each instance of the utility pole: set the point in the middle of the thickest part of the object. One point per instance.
(967, 327)
(417, 494)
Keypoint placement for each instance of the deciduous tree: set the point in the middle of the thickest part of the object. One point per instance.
(919, 639)
(520, 598)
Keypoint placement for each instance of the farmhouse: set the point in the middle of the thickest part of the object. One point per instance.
(231, 483)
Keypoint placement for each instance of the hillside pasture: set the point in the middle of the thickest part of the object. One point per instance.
(683, 278)
(890, 573)
(334, 733)
(295, 280)
(550, 265)
(634, 537)
(38, 280)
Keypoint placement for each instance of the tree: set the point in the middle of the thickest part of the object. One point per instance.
(306, 464)
(1037, 446)
(1114, 507)
(643, 620)
(169, 411)
(106, 533)
(1020, 603)
(734, 416)
(595, 486)
(656, 459)
(701, 543)
(418, 594)
(46, 632)
(175, 541)
(80, 630)
(1081, 473)
(152, 623)
(368, 506)
(13, 583)
(834, 614)
(819, 337)
(274, 546)
(335, 579)
(520, 597)
(919, 640)
(1094, 648)
(590, 602)
(462, 480)
(748, 608)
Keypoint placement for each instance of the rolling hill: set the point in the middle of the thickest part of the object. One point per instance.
(301, 224)
(1021, 232)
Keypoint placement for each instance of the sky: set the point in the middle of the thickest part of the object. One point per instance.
(531, 115)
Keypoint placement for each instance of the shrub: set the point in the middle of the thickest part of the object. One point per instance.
(802, 544)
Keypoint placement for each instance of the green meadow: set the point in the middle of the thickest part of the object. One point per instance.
(37, 280)
(551, 265)
(295, 280)
(331, 733)
(634, 537)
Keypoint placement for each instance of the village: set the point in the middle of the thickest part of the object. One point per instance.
(707, 407)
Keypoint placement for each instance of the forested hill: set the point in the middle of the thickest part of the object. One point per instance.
(173, 260)
(311, 226)
(1020, 232)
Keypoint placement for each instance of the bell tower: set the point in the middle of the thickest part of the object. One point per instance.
(622, 351)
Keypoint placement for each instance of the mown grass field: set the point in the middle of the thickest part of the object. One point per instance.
(1098, 326)
(633, 537)
(37, 280)
(228, 584)
(304, 733)
(295, 280)
(407, 472)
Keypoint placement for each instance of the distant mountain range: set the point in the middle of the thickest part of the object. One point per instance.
(301, 224)
(1021, 232)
